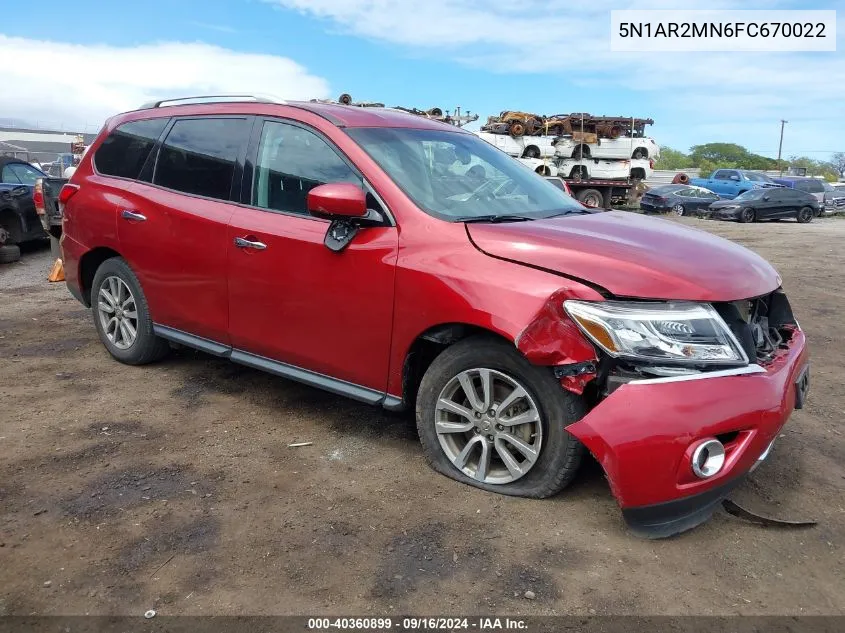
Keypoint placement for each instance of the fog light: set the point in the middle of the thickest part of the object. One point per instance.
(708, 458)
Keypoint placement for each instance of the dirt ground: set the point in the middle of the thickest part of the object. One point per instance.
(172, 487)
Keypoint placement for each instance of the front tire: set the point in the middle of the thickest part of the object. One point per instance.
(747, 215)
(122, 317)
(489, 418)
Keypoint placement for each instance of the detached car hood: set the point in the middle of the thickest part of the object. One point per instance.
(632, 256)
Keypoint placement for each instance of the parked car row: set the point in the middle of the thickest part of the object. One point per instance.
(754, 204)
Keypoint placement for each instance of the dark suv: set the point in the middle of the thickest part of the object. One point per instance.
(407, 263)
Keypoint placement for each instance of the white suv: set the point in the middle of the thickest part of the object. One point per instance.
(622, 147)
(522, 146)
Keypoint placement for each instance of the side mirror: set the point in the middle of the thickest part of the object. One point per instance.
(342, 203)
(337, 200)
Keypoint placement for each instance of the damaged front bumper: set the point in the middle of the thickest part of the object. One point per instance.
(645, 432)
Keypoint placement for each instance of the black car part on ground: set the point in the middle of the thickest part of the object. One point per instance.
(734, 509)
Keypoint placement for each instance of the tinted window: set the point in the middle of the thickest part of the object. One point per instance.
(811, 186)
(23, 173)
(8, 176)
(125, 150)
(755, 194)
(292, 161)
(198, 156)
(724, 174)
(665, 189)
(755, 177)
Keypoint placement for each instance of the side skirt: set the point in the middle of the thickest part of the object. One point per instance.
(305, 376)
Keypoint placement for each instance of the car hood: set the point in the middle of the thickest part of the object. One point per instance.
(631, 255)
(720, 204)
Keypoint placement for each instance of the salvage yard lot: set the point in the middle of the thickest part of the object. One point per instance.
(172, 487)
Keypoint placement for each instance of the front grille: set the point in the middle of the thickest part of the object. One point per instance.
(761, 325)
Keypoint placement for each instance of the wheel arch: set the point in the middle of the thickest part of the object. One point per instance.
(88, 265)
(428, 345)
(526, 153)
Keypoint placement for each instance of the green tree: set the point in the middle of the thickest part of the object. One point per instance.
(728, 155)
(672, 159)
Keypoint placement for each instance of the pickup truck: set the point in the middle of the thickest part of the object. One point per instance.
(590, 191)
(729, 183)
(19, 221)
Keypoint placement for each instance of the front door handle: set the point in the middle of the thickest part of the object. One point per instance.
(242, 242)
(126, 214)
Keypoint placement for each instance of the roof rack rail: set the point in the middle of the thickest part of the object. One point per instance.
(208, 99)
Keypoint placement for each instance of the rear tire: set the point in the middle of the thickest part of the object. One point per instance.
(640, 153)
(678, 210)
(590, 198)
(805, 214)
(531, 152)
(559, 453)
(115, 278)
(9, 253)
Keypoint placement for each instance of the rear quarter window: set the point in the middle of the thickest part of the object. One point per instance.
(198, 156)
(126, 149)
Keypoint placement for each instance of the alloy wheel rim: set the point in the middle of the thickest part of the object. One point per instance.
(118, 312)
(678, 209)
(489, 426)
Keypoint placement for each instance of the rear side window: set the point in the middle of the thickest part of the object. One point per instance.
(198, 156)
(810, 186)
(126, 149)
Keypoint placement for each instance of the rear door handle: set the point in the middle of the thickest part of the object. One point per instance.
(242, 242)
(133, 216)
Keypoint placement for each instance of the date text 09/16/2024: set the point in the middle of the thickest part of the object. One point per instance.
(417, 624)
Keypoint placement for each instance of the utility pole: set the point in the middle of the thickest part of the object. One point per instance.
(780, 145)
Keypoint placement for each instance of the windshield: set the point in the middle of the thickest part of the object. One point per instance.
(758, 177)
(456, 176)
(752, 194)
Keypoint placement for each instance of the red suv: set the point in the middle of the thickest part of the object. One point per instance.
(409, 264)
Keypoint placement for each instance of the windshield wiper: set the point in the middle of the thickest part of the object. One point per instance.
(568, 212)
(493, 219)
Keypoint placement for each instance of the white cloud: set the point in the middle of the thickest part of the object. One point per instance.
(80, 86)
(748, 93)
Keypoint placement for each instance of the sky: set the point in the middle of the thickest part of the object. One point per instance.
(72, 64)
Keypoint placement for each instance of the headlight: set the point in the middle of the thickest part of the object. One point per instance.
(675, 332)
